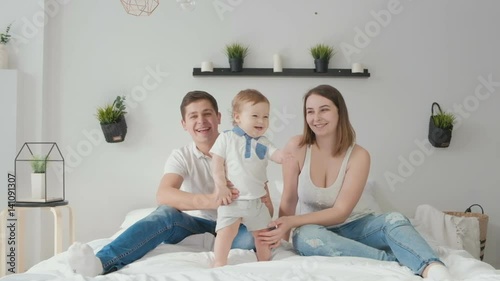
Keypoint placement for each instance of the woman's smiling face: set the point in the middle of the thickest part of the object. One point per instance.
(321, 115)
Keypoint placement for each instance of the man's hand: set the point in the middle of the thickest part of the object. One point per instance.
(217, 196)
(224, 195)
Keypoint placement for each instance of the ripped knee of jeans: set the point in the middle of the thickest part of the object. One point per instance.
(309, 240)
(396, 218)
(314, 242)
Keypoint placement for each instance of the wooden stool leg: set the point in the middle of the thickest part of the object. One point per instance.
(19, 242)
(71, 225)
(3, 243)
(57, 230)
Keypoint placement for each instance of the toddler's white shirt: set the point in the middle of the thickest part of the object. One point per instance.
(246, 161)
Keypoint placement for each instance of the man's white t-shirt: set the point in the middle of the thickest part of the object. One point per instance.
(246, 162)
(194, 167)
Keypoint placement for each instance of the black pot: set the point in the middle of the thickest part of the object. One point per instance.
(115, 132)
(236, 64)
(321, 65)
(439, 137)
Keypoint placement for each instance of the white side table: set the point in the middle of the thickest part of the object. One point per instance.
(56, 209)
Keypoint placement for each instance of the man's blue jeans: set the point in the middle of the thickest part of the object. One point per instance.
(387, 237)
(164, 225)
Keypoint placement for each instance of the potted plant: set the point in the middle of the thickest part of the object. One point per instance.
(440, 127)
(112, 119)
(322, 54)
(38, 167)
(236, 54)
(4, 39)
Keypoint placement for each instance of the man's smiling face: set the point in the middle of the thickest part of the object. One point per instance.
(202, 122)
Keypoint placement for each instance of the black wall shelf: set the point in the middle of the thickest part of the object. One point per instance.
(287, 72)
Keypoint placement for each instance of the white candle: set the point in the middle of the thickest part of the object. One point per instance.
(277, 67)
(207, 66)
(357, 68)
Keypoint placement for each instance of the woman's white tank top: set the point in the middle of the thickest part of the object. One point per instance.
(313, 198)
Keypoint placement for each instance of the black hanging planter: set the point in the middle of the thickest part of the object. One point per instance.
(236, 64)
(439, 137)
(115, 132)
(321, 65)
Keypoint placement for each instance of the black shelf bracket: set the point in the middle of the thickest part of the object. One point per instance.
(287, 72)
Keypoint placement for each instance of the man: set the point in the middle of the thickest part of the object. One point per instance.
(186, 196)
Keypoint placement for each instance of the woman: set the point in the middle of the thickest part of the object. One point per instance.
(323, 182)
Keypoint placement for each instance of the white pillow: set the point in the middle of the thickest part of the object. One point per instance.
(134, 216)
(131, 218)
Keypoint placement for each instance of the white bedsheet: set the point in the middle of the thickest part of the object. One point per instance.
(185, 262)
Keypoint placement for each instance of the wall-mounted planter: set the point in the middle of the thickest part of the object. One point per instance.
(439, 137)
(112, 120)
(440, 127)
(115, 132)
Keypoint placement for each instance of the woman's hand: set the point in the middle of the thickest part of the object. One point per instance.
(278, 229)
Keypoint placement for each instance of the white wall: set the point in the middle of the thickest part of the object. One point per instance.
(427, 51)
(8, 80)
(26, 54)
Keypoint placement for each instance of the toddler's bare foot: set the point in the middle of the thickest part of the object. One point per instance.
(219, 264)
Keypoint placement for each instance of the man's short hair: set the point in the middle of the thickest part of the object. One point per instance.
(194, 96)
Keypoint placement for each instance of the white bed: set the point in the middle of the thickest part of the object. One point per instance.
(191, 259)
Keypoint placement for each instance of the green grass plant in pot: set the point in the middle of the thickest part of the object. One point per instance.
(112, 119)
(236, 54)
(38, 179)
(440, 127)
(322, 54)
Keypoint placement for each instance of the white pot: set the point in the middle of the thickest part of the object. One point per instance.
(4, 57)
(38, 186)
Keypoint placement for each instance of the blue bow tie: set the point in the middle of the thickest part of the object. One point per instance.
(260, 149)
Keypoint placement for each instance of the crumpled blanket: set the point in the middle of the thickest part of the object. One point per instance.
(438, 228)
